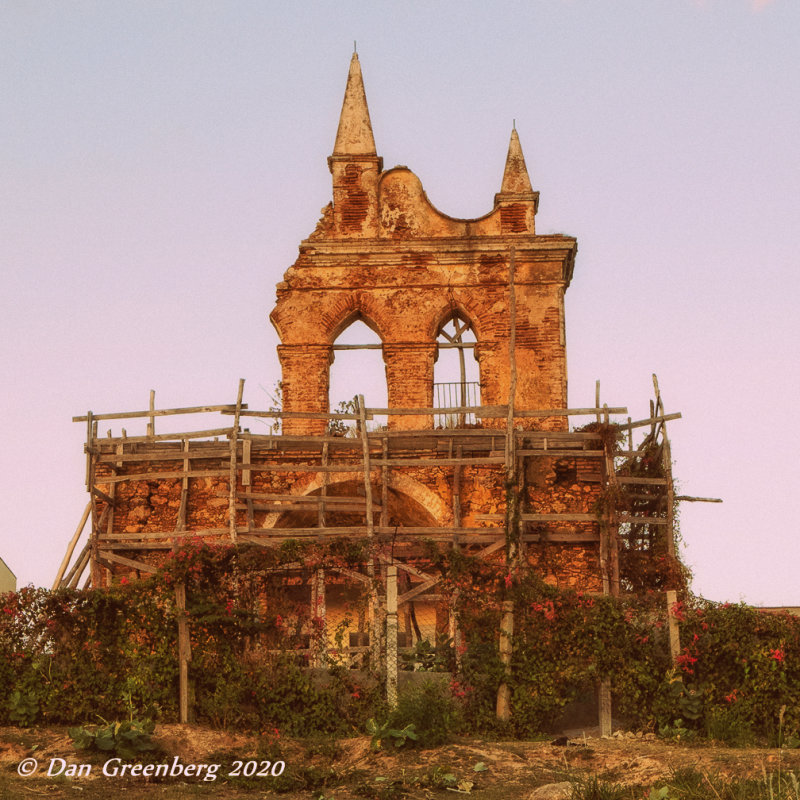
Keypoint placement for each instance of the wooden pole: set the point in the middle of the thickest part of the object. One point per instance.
(151, 425)
(326, 476)
(506, 650)
(320, 612)
(370, 523)
(609, 563)
(503, 709)
(604, 702)
(80, 567)
(184, 652)
(73, 576)
(673, 630)
(385, 483)
(597, 400)
(234, 454)
(391, 635)
(182, 508)
(71, 546)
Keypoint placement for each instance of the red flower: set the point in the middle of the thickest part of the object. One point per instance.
(778, 655)
(677, 611)
(686, 660)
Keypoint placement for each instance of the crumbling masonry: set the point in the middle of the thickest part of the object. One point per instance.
(500, 477)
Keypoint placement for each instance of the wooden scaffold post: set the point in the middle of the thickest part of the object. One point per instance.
(374, 638)
(391, 635)
(184, 651)
(505, 646)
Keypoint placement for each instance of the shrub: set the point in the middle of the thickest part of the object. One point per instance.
(430, 712)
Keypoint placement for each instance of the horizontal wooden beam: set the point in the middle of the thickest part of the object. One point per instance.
(127, 562)
(295, 414)
(304, 508)
(163, 476)
(161, 412)
(222, 451)
(310, 499)
(160, 437)
(652, 421)
(570, 412)
(576, 453)
(478, 411)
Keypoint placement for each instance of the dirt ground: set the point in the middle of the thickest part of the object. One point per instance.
(328, 769)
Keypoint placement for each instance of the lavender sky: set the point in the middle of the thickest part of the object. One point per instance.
(160, 162)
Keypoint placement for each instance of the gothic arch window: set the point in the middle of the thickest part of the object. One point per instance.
(456, 380)
(356, 368)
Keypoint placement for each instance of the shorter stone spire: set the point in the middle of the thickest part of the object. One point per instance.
(354, 136)
(515, 175)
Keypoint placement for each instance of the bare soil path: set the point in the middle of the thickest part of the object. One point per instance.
(343, 769)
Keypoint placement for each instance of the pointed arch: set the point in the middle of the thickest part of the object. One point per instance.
(456, 381)
(447, 311)
(346, 310)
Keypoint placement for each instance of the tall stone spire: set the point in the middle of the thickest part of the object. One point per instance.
(354, 136)
(355, 165)
(517, 201)
(515, 175)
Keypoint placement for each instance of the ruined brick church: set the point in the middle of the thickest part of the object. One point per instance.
(438, 471)
(384, 254)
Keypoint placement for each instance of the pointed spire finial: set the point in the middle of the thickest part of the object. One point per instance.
(515, 175)
(354, 136)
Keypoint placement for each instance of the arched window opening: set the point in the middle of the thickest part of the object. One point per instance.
(456, 381)
(357, 368)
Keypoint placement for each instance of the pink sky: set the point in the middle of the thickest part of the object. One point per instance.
(161, 163)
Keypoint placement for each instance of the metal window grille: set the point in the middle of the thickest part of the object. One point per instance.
(454, 394)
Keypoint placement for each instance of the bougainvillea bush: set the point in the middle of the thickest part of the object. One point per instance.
(743, 665)
(67, 657)
(72, 655)
(564, 643)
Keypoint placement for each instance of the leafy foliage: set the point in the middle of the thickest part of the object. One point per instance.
(127, 739)
(67, 656)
